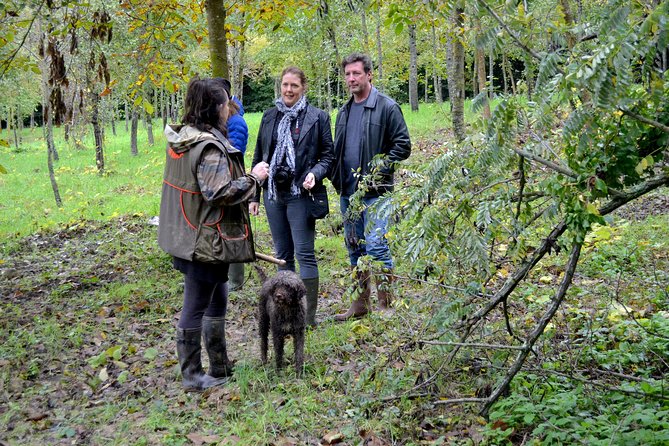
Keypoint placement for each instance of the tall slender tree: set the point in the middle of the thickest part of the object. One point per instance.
(218, 42)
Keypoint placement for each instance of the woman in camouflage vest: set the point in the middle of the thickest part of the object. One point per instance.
(204, 225)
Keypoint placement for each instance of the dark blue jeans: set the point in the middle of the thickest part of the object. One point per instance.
(366, 235)
(293, 232)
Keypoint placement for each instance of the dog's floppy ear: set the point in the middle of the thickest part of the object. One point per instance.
(266, 290)
(299, 288)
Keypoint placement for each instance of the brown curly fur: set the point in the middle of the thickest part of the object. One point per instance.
(282, 310)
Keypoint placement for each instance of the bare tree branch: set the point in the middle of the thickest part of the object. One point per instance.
(513, 281)
(645, 120)
(459, 401)
(550, 164)
(473, 345)
(538, 329)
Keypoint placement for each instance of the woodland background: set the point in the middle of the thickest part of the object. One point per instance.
(529, 225)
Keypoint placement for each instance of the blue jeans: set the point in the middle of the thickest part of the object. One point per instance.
(293, 232)
(366, 235)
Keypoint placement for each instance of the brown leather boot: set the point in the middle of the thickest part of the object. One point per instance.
(384, 289)
(361, 305)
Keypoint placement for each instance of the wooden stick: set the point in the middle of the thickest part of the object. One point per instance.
(270, 259)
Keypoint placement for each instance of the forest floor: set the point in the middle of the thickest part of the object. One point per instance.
(87, 354)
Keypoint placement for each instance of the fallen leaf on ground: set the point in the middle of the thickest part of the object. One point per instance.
(332, 438)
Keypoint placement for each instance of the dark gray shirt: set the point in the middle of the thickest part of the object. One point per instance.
(352, 148)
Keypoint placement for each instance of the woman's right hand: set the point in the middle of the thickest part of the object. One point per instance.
(254, 206)
(261, 170)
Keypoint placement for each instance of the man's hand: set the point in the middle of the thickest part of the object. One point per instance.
(254, 207)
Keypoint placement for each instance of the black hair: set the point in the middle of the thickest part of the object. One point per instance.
(232, 106)
(204, 98)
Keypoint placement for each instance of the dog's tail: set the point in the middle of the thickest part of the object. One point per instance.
(261, 272)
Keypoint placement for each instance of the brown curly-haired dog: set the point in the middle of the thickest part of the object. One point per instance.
(282, 310)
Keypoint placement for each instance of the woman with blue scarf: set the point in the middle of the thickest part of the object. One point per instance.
(295, 138)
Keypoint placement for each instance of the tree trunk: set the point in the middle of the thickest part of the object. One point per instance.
(238, 69)
(19, 122)
(569, 21)
(505, 81)
(11, 128)
(112, 114)
(149, 128)
(456, 75)
(379, 47)
(324, 11)
(491, 74)
(362, 10)
(133, 132)
(164, 107)
(47, 121)
(174, 109)
(51, 151)
(529, 76)
(413, 69)
(17, 143)
(218, 44)
(328, 96)
(480, 71)
(475, 72)
(512, 80)
(97, 132)
(126, 116)
(427, 85)
(435, 76)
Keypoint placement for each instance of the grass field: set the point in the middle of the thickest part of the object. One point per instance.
(130, 184)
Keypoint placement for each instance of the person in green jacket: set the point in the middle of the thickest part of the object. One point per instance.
(204, 225)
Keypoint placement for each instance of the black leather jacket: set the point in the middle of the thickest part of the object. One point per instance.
(384, 131)
(313, 152)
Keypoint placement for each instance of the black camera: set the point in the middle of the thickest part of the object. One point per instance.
(283, 176)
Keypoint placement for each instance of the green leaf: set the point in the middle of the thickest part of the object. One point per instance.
(150, 353)
(148, 107)
(592, 209)
(123, 377)
(2, 169)
(114, 352)
(644, 164)
(97, 361)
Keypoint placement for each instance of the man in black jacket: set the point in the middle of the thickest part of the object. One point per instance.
(369, 125)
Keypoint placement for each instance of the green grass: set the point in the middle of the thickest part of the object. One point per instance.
(130, 184)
